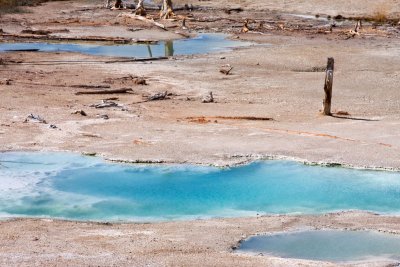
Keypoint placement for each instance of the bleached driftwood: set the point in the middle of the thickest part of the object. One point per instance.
(103, 92)
(150, 21)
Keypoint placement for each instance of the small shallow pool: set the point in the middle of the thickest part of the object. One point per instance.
(326, 245)
(72, 186)
(201, 44)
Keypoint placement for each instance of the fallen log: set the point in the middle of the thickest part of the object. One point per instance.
(89, 86)
(23, 50)
(104, 92)
(204, 119)
(38, 32)
(120, 40)
(150, 21)
(136, 60)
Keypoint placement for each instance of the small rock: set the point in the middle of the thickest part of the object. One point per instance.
(52, 126)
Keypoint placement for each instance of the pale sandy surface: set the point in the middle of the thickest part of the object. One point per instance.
(333, 8)
(196, 243)
(273, 79)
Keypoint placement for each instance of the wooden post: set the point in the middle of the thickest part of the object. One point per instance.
(328, 87)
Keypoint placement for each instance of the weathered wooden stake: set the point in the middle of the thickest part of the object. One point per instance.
(328, 87)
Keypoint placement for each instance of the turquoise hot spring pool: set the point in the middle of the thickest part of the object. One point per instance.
(72, 186)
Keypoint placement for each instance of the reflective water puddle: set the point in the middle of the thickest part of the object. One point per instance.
(326, 245)
(201, 44)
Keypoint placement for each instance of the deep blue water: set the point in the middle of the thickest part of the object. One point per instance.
(201, 44)
(78, 187)
(326, 245)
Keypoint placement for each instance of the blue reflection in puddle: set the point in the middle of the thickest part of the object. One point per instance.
(326, 245)
(201, 44)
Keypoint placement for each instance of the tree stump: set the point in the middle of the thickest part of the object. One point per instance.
(328, 87)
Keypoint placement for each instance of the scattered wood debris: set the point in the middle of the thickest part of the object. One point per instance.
(23, 50)
(312, 69)
(106, 104)
(201, 120)
(140, 81)
(245, 27)
(205, 119)
(103, 116)
(35, 118)
(134, 29)
(342, 113)
(158, 96)
(230, 10)
(247, 118)
(226, 69)
(91, 135)
(127, 80)
(209, 98)
(137, 17)
(140, 141)
(118, 40)
(90, 154)
(353, 33)
(85, 86)
(5, 81)
(111, 98)
(38, 32)
(81, 112)
(103, 92)
(136, 60)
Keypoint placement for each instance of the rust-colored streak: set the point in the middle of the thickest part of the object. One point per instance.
(208, 119)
